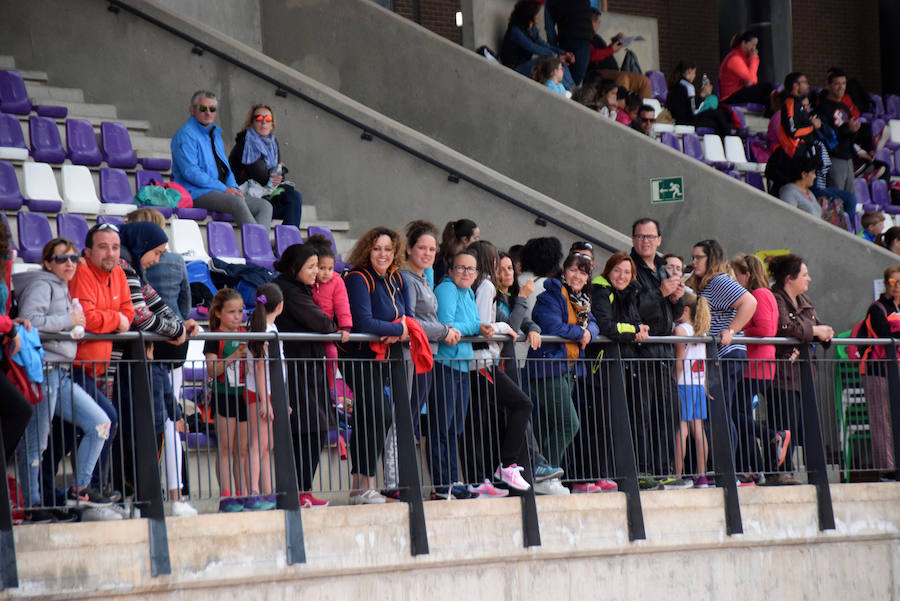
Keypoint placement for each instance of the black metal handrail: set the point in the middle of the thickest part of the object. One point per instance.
(368, 132)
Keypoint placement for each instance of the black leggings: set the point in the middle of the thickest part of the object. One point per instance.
(15, 412)
(371, 414)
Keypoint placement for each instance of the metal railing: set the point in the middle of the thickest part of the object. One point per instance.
(282, 89)
(601, 418)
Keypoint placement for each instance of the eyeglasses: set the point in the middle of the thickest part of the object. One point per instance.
(645, 237)
(106, 226)
(61, 259)
(261, 118)
(697, 258)
(203, 108)
(648, 120)
(893, 282)
(465, 269)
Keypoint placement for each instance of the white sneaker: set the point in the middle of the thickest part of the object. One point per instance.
(550, 487)
(369, 497)
(100, 514)
(183, 509)
(512, 476)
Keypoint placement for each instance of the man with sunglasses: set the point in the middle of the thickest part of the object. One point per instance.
(199, 163)
(645, 120)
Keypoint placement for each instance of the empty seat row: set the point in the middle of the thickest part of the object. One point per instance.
(34, 231)
(81, 143)
(14, 98)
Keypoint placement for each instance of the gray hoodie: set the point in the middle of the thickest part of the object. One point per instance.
(423, 304)
(44, 301)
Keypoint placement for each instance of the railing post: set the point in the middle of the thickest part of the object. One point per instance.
(408, 469)
(814, 445)
(286, 485)
(531, 528)
(623, 445)
(9, 573)
(893, 373)
(147, 487)
(722, 445)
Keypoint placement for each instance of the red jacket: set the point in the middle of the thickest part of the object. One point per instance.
(103, 296)
(332, 298)
(419, 347)
(736, 70)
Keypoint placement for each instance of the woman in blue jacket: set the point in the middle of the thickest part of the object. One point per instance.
(563, 309)
(449, 397)
(523, 41)
(379, 304)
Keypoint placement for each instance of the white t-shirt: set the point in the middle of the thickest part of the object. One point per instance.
(693, 366)
(251, 363)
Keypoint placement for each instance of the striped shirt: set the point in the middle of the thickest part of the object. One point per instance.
(721, 293)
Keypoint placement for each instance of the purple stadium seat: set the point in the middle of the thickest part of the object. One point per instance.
(692, 146)
(312, 230)
(221, 243)
(885, 156)
(81, 143)
(861, 189)
(115, 187)
(879, 104)
(46, 147)
(755, 180)
(881, 196)
(14, 98)
(670, 140)
(5, 223)
(892, 106)
(12, 140)
(220, 216)
(72, 226)
(113, 219)
(10, 195)
(658, 87)
(286, 235)
(116, 143)
(896, 169)
(34, 234)
(195, 213)
(155, 164)
(142, 177)
(257, 248)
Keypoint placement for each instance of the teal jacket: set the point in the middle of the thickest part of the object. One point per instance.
(456, 308)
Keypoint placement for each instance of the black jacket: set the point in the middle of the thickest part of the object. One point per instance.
(572, 18)
(656, 311)
(307, 388)
(616, 312)
(257, 171)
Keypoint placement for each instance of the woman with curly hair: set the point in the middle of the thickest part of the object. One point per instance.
(379, 303)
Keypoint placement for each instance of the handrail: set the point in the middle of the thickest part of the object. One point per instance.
(455, 174)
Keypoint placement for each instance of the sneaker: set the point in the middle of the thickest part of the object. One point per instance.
(457, 491)
(258, 503)
(782, 440)
(391, 494)
(782, 479)
(648, 482)
(680, 483)
(308, 500)
(585, 488)
(607, 485)
(487, 490)
(512, 476)
(666, 481)
(111, 493)
(86, 496)
(545, 471)
(100, 514)
(701, 482)
(369, 497)
(183, 509)
(38, 516)
(230, 505)
(745, 480)
(550, 487)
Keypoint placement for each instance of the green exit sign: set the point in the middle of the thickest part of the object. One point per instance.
(666, 189)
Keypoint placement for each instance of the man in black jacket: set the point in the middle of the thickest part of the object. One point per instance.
(660, 302)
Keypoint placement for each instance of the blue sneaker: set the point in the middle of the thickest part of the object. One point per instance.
(545, 471)
(230, 505)
(257, 503)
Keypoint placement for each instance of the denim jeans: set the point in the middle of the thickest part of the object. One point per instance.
(87, 382)
(447, 406)
(290, 208)
(73, 405)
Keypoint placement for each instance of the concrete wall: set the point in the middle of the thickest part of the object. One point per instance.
(151, 74)
(476, 552)
(236, 18)
(524, 131)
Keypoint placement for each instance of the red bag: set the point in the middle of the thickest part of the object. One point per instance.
(32, 392)
(186, 201)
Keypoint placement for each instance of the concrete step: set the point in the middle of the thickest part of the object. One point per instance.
(143, 145)
(7, 62)
(756, 123)
(44, 94)
(89, 109)
(35, 76)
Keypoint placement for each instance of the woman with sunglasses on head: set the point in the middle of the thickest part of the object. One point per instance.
(43, 298)
(255, 158)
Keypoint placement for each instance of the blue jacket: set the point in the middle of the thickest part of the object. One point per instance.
(170, 280)
(456, 308)
(551, 313)
(376, 302)
(193, 164)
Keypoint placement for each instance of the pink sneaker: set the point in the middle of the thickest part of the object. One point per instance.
(512, 476)
(307, 500)
(607, 485)
(585, 488)
(487, 490)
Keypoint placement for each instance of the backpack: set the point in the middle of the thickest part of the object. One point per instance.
(863, 329)
(630, 63)
(32, 391)
(833, 211)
